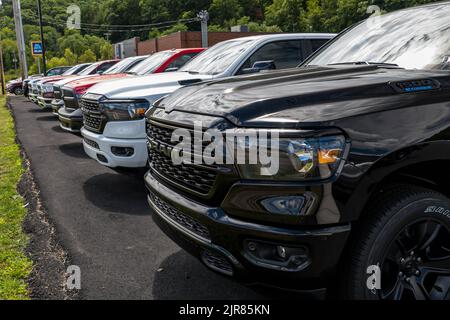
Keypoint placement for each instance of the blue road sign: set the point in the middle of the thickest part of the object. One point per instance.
(36, 48)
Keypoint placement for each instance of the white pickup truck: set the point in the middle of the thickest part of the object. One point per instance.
(114, 131)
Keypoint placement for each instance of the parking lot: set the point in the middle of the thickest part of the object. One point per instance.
(103, 221)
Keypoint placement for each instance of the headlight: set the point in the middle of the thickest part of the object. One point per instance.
(124, 110)
(291, 158)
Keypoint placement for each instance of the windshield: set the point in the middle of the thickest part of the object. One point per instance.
(151, 63)
(418, 38)
(218, 58)
(71, 71)
(89, 69)
(122, 66)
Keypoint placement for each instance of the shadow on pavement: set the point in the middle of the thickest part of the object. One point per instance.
(183, 277)
(57, 129)
(47, 118)
(38, 110)
(117, 193)
(74, 150)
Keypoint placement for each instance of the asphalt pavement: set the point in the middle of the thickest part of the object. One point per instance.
(103, 221)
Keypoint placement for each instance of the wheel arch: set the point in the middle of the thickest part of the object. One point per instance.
(422, 165)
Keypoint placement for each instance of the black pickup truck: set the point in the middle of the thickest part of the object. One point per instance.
(360, 201)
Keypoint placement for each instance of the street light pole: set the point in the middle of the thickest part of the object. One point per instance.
(2, 73)
(44, 64)
(204, 17)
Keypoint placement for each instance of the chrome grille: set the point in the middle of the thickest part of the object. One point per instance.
(179, 217)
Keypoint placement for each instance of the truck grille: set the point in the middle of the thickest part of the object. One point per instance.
(93, 122)
(179, 217)
(70, 100)
(92, 118)
(57, 92)
(198, 178)
(90, 105)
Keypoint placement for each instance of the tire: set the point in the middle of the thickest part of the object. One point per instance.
(407, 235)
(18, 91)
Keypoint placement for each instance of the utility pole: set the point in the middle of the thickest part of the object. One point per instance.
(20, 39)
(44, 64)
(204, 17)
(2, 73)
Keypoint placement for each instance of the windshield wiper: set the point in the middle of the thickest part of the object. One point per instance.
(365, 63)
(131, 72)
(191, 72)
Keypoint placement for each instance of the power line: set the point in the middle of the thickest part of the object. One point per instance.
(107, 28)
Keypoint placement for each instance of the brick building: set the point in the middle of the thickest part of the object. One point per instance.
(182, 39)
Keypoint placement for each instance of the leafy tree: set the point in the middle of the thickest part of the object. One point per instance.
(70, 57)
(87, 56)
(106, 51)
(223, 10)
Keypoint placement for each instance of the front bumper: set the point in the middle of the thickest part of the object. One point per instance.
(44, 103)
(209, 232)
(56, 105)
(33, 97)
(98, 147)
(70, 120)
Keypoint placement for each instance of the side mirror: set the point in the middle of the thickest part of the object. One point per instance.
(260, 66)
(99, 72)
(171, 69)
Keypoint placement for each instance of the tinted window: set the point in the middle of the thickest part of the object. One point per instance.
(53, 72)
(317, 43)
(105, 66)
(181, 60)
(285, 54)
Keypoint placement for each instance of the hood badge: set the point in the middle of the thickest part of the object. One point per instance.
(416, 85)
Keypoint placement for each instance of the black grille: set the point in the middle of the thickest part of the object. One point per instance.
(199, 178)
(92, 118)
(89, 105)
(93, 122)
(217, 262)
(91, 143)
(57, 92)
(67, 93)
(179, 217)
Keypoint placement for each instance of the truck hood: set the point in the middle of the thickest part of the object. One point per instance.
(93, 80)
(68, 79)
(307, 96)
(147, 87)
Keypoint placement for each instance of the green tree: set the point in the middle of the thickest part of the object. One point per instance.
(87, 56)
(70, 57)
(224, 10)
(287, 15)
(106, 51)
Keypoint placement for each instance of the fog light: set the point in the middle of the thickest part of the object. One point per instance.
(102, 158)
(276, 256)
(290, 205)
(122, 151)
